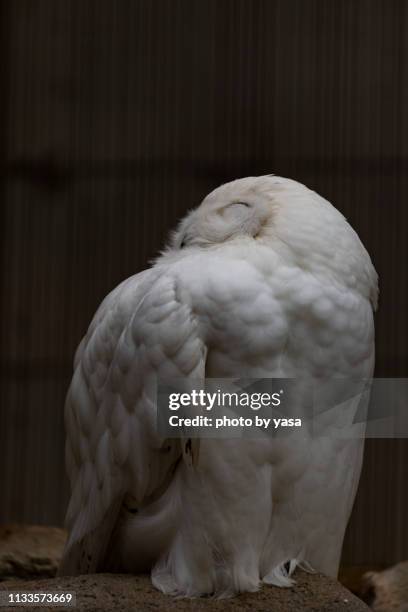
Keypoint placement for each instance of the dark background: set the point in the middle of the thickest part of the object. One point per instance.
(118, 116)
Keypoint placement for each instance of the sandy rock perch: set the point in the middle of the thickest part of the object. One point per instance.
(29, 556)
(125, 593)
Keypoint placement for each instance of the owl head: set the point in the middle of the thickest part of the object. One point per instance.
(276, 215)
(242, 208)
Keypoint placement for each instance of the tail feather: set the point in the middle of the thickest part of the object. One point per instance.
(86, 554)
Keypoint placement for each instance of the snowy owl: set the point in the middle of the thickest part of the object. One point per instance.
(264, 279)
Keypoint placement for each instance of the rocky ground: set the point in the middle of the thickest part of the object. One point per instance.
(30, 551)
(387, 590)
(125, 593)
(29, 557)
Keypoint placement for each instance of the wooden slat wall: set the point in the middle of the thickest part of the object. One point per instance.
(120, 115)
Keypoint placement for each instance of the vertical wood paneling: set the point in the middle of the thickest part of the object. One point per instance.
(119, 117)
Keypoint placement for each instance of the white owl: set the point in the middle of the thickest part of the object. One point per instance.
(264, 279)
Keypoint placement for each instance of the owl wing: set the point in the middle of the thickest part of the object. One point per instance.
(142, 331)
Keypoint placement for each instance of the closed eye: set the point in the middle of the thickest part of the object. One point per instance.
(228, 207)
(240, 203)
